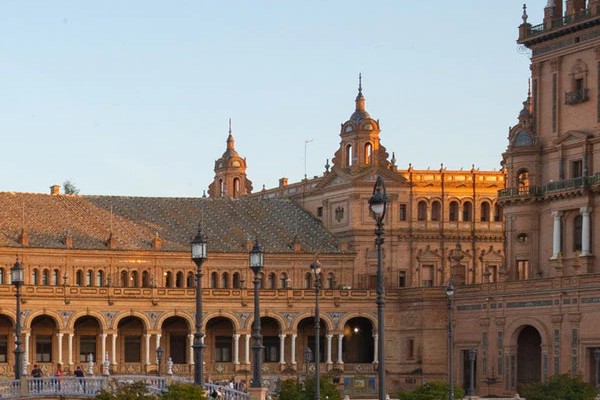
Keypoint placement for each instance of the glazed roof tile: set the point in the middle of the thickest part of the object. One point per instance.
(134, 222)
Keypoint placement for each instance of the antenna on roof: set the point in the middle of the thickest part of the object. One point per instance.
(306, 142)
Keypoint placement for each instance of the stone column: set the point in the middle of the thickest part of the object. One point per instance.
(147, 348)
(236, 348)
(585, 231)
(114, 349)
(26, 354)
(102, 349)
(340, 341)
(282, 349)
(328, 357)
(59, 345)
(191, 349)
(375, 348)
(247, 357)
(556, 234)
(70, 343)
(294, 336)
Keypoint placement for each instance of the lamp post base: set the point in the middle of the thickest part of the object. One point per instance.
(258, 393)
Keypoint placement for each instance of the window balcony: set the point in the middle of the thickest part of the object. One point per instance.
(576, 97)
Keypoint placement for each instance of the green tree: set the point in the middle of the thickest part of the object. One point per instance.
(70, 188)
(130, 391)
(183, 391)
(434, 390)
(290, 390)
(559, 387)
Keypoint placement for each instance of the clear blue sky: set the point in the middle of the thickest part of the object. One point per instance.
(133, 97)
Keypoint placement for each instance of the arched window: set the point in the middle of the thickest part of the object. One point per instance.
(272, 281)
(45, 277)
(191, 280)
(145, 279)
(422, 210)
(214, 280)
(330, 283)
(100, 278)
(368, 153)
(168, 279)
(349, 155)
(35, 277)
(485, 211)
(236, 280)
(308, 281)
(523, 181)
(261, 279)
(467, 211)
(436, 213)
(179, 279)
(2, 276)
(135, 279)
(124, 279)
(79, 278)
(283, 280)
(221, 188)
(89, 278)
(56, 277)
(236, 187)
(453, 214)
(497, 212)
(225, 280)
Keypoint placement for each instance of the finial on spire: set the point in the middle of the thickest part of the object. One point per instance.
(524, 16)
(230, 125)
(360, 84)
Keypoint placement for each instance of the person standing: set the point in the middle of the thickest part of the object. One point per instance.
(79, 374)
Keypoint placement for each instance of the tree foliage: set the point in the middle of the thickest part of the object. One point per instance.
(559, 387)
(70, 188)
(290, 390)
(183, 391)
(129, 391)
(434, 390)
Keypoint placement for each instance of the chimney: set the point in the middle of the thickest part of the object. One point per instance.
(69, 240)
(157, 242)
(283, 182)
(24, 238)
(55, 189)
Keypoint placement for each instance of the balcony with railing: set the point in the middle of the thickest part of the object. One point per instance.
(576, 96)
(559, 23)
(549, 188)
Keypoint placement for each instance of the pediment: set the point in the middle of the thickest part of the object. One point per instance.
(336, 177)
(491, 255)
(427, 254)
(571, 136)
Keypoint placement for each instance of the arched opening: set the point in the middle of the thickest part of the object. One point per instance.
(135, 279)
(124, 278)
(214, 280)
(174, 338)
(56, 277)
(529, 356)
(43, 332)
(358, 344)
(307, 280)
(87, 332)
(179, 279)
(130, 334)
(283, 279)
(221, 188)
(89, 278)
(145, 279)
(270, 330)
(236, 187)
(306, 338)
(225, 280)
(79, 277)
(467, 211)
(453, 214)
(485, 211)
(100, 278)
(46, 277)
(219, 337)
(368, 153)
(272, 280)
(191, 280)
(236, 280)
(349, 155)
(422, 210)
(7, 330)
(168, 279)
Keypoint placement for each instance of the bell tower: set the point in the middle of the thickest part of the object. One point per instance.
(230, 173)
(359, 146)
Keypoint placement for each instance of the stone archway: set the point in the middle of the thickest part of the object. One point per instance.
(529, 356)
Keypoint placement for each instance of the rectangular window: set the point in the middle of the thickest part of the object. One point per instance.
(410, 348)
(522, 269)
(223, 349)
(427, 275)
(3, 348)
(87, 347)
(576, 169)
(43, 348)
(133, 349)
(402, 279)
(271, 344)
(319, 212)
(403, 216)
(492, 271)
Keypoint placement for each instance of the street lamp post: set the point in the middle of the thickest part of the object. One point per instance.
(472, 358)
(316, 270)
(256, 265)
(159, 354)
(378, 205)
(450, 296)
(199, 257)
(17, 279)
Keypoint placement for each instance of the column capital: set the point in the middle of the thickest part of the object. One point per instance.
(282, 336)
(557, 214)
(585, 210)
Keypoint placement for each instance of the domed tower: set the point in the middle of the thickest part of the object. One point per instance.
(360, 145)
(230, 173)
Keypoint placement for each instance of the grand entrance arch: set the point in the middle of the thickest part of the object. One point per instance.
(529, 356)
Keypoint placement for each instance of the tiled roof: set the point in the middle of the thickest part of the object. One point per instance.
(135, 221)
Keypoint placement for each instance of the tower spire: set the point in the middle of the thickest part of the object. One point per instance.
(230, 140)
(360, 99)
